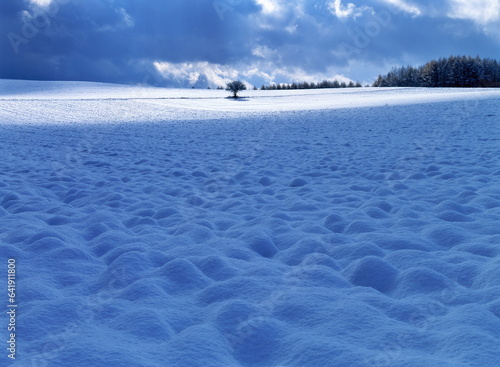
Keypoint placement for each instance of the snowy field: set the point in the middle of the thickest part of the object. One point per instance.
(336, 228)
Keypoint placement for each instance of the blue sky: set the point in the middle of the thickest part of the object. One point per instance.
(209, 42)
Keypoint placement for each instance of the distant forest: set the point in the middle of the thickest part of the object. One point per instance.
(306, 85)
(454, 71)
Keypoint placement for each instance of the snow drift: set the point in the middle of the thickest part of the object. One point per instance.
(159, 227)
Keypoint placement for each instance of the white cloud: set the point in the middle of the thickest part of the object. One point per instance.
(190, 73)
(201, 74)
(346, 11)
(255, 72)
(42, 3)
(479, 11)
(292, 28)
(404, 6)
(267, 53)
(270, 7)
(126, 18)
(341, 11)
(301, 75)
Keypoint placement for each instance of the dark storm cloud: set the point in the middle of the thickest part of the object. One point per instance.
(93, 38)
(118, 40)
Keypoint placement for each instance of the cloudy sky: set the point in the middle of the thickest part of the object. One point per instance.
(200, 42)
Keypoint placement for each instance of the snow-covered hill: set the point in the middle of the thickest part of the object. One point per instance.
(154, 227)
(86, 102)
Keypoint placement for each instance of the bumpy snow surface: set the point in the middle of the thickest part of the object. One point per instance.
(342, 228)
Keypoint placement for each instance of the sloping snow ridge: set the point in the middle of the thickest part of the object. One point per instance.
(155, 227)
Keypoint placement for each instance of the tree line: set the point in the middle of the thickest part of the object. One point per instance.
(454, 71)
(306, 85)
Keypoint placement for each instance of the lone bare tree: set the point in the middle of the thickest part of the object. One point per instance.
(234, 87)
